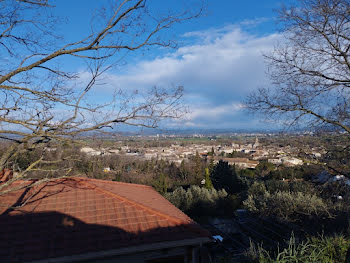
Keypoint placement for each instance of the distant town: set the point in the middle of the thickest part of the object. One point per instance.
(243, 155)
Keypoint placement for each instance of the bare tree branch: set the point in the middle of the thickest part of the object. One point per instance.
(42, 103)
(311, 71)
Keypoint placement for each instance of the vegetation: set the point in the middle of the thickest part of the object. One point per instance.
(313, 250)
(285, 194)
(310, 71)
(224, 176)
(310, 68)
(208, 184)
(198, 200)
(286, 205)
(48, 105)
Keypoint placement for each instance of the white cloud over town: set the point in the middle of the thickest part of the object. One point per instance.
(218, 69)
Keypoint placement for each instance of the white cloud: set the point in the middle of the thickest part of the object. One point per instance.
(218, 70)
(212, 112)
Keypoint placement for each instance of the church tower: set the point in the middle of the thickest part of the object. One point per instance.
(256, 143)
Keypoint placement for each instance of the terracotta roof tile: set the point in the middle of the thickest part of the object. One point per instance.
(5, 175)
(80, 215)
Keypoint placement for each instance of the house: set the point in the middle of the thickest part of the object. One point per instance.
(90, 151)
(87, 220)
(242, 163)
(275, 161)
(287, 161)
(291, 161)
(106, 169)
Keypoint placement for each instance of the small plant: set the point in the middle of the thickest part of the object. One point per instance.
(313, 250)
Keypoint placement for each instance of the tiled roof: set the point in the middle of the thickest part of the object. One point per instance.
(235, 160)
(79, 215)
(5, 175)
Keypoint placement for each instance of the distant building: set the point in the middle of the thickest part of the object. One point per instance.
(90, 151)
(106, 169)
(275, 161)
(239, 162)
(287, 161)
(150, 155)
(256, 143)
(291, 161)
(115, 151)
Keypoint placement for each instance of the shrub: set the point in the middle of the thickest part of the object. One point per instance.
(257, 188)
(290, 206)
(197, 200)
(294, 186)
(276, 185)
(264, 168)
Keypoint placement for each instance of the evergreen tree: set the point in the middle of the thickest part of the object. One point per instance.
(212, 152)
(183, 172)
(225, 177)
(211, 165)
(198, 167)
(161, 184)
(208, 183)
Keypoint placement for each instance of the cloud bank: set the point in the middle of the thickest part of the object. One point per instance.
(217, 68)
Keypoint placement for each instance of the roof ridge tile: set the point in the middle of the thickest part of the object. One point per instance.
(113, 182)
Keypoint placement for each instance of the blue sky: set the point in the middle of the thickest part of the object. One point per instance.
(219, 59)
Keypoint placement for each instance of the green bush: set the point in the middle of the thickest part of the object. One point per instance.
(274, 186)
(257, 188)
(197, 200)
(290, 206)
(293, 186)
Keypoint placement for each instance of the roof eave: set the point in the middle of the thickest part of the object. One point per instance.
(126, 250)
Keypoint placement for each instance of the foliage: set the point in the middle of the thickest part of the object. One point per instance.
(198, 167)
(283, 172)
(250, 173)
(264, 168)
(208, 183)
(337, 158)
(160, 184)
(313, 250)
(212, 152)
(224, 177)
(183, 172)
(293, 186)
(24, 159)
(197, 200)
(236, 154)
(286, 205)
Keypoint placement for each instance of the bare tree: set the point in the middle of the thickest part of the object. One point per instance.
(44, 104)
(310, 68)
